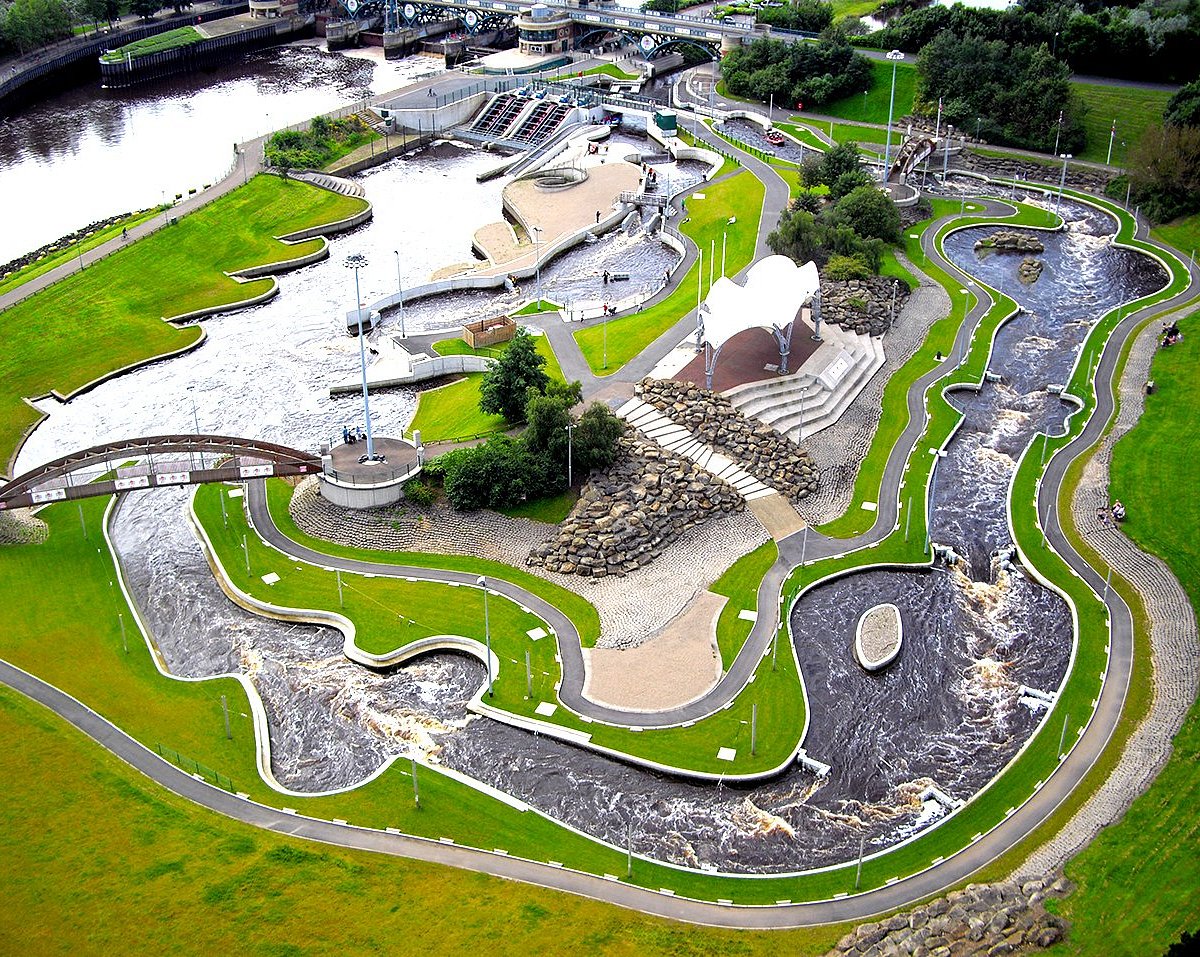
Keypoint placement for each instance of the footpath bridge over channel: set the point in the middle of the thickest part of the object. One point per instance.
(154, 462)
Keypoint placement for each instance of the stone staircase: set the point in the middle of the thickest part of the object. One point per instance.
(334, 183)
(674, 438)
(803, 404)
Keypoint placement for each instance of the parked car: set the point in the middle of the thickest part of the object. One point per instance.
(895, 55)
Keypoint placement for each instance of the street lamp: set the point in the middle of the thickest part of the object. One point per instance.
(570, 428)
(537, 262)
(487, 633)
(357, 261)
(399, 292)
(1063, 179)
(887, 147)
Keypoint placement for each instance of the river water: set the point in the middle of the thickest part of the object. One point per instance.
(947, 713)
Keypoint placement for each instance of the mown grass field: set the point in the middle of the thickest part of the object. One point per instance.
(110, 315)
(139, 871)
(1134, 109)
(740, 195)
(1136, 878)
(740, 584)
(873, 107)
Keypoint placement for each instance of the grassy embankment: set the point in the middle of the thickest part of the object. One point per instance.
(55, 259)
(1133, 108)
(110, 315)
(160, 43)
(1120, 906)
(740, 584)
(121, 849)
(872, 107)
(740, 195)
(451, 412)
(380, 612)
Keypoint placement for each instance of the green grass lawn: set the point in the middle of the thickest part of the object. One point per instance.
(608, 69)
(1136, 861)
(452, 413)
(53, 260)
(740, 584)
(1133, 108)
(804, 135)
(740, 195)
(122, 851)
(1183, 234)
(110, 315)
(868, 135)
(551, 510)
(159, 43)
(873, 107)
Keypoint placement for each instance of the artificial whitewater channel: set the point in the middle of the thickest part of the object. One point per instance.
(947, 713)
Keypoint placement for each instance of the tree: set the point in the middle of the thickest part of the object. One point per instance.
(1183, 108)
(548, 416)
(843, 158)
(595, 442)
(870, 212)
(492, 475)
(101, 10)
(1164, 169)
(510, 379)
(797, 236)
(145, 8)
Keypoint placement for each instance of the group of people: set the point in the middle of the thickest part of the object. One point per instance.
(1116, 513)
(350, 436)
(1171, 335)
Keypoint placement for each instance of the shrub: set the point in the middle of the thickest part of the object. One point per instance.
(419, 494)
(847, 267)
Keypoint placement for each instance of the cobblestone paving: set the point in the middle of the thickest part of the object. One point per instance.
(839, 450)
(631, 609)
(1172, 634)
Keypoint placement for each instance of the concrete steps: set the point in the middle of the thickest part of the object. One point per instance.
(801, 405)
(333, 183)
(674, 438)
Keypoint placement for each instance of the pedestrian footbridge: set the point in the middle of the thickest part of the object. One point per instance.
(154, 462)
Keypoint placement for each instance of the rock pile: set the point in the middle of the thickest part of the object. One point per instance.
(628, 514)
(1081, 177)
(768, 455)
(1008, 240)
(861, 305)
(981, 919)
(22, 527)
(1029, 270)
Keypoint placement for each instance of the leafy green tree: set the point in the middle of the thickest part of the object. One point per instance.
(1164, 169)
(145, 8)
(843, 158)
(492, 475)
(797, 236)
(99, 11)
(29, 24)
(508, 382)
(870, 212)
(1183, 108)
(595, 438)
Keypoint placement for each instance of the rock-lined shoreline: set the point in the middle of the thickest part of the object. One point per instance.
(862, 305)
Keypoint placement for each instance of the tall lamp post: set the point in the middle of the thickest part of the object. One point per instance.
(487, 632)
(570, 428)
(357, 261)
(887, 147)
(1062, 182)
(537, 262)
(400, 293)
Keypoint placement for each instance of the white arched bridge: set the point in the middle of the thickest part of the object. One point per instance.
(154, 462)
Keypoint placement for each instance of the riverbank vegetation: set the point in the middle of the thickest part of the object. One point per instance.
(325, 141)
(110, 315)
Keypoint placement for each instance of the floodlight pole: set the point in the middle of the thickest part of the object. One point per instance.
(356, 261)
(887, 147)
(487, 633)
(399, 294)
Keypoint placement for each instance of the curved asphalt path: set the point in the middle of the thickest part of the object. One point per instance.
(956, 868)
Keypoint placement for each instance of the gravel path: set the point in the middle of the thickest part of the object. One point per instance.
(1173, 638)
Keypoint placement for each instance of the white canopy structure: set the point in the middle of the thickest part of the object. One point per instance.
(776, 290)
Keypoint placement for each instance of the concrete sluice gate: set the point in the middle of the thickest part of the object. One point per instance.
(942, 719)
